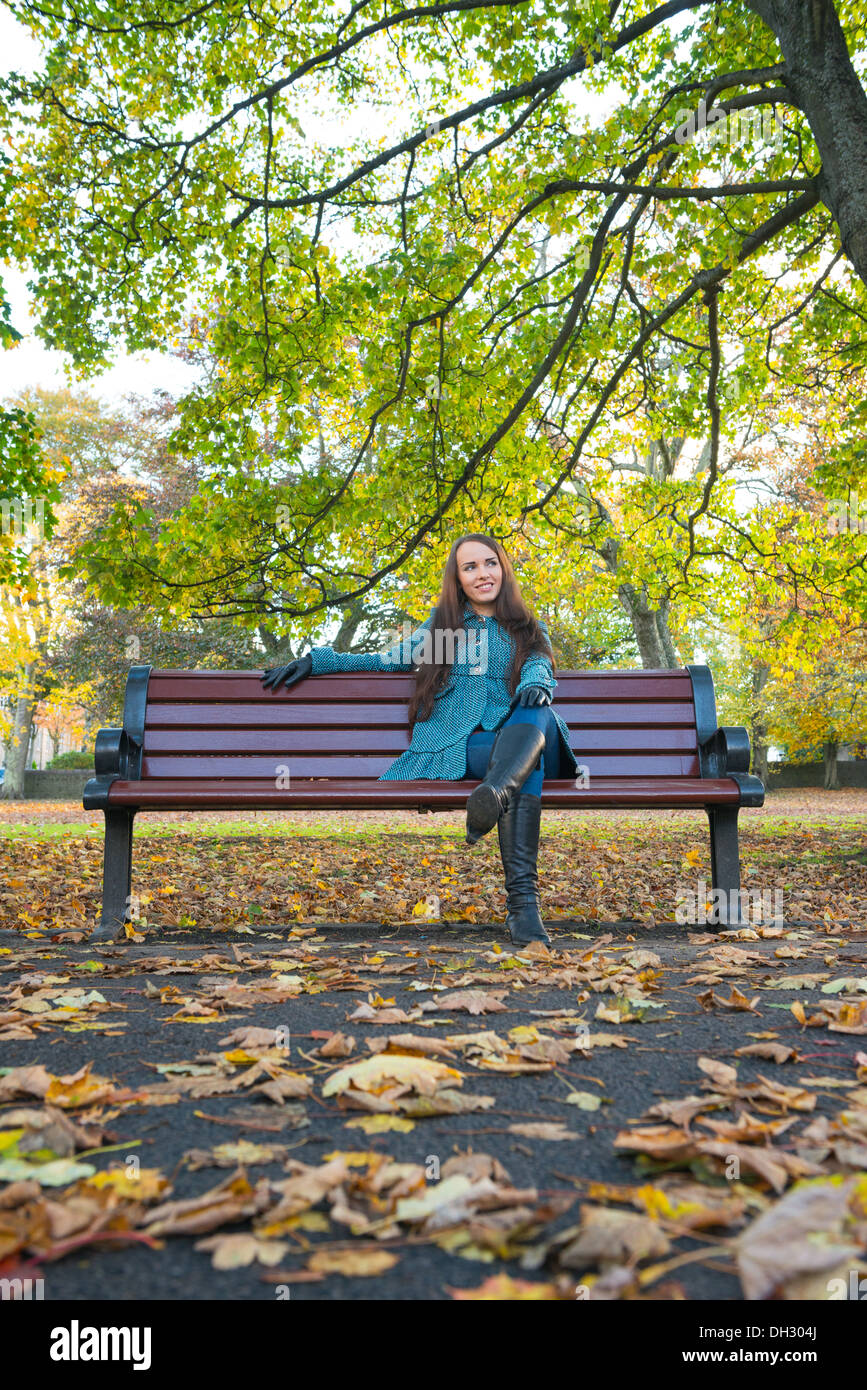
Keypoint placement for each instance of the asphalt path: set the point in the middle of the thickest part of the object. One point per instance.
(660, 1062)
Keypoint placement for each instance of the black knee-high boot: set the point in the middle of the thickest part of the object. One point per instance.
(514, 755)
(518, 830)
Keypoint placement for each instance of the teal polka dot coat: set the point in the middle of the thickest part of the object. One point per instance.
(475, 693)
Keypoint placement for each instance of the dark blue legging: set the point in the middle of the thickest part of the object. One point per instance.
(480, 741)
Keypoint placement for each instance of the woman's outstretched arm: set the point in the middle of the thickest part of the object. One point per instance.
(402, 656)
(537, 671)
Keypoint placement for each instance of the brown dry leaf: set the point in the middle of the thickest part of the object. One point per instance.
(17, 1193)
(780, 1097)
(847, 1018)
(24, 1226)
(551, 1050)
(719, 1072)
(338, 1045)
(681, 1112)
(544, 1130)
(79, 1089)
(774, 1165)
(691, 1205)
(412, 1043)
(474, 1001)
(286, 1086)
(814, 1021)
(475, 1165)
(739, 1001)
(747, 1127)
(488, 1043)
(659, 1141)
(306, 1187)
(354, 1264)
(240, 1152)
(233, 1200)
(372, 1074)
(773, 1051)
(238, 1251)
(250, 1037)
(455, 1199)
(444, 1103)
(591, 1040)
(611, 1237)
(84, 1209)
(803, 1233)
(53, 1129)
(366, 1014)
(25, 1081)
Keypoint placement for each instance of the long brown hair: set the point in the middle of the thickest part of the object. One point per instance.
(510, 611)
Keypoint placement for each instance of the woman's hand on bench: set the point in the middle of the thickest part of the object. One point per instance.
(288, 675)
(534, 695)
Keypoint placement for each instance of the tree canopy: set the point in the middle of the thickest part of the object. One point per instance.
(528, 267)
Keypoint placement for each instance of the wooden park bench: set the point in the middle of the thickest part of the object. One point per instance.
(218, 740)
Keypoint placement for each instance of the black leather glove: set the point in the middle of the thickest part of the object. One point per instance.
(288, 675)
(534, 695)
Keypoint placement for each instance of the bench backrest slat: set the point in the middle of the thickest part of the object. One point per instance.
(225, 725)
(377, 740)
(362, 685)
(341, 765)
(392, 714)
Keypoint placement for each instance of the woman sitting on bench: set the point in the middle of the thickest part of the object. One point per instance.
(481, 708)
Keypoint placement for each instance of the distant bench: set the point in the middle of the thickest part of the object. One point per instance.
(217, 740)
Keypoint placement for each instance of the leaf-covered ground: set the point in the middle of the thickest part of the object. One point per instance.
(288, 1088)
(198, 870)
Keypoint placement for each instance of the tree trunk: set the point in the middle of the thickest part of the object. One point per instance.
(277, 650)
(665, 641)
(19, 739)
(350, 625)
(760, 761)
(758, 727)
(830, 753)
(820, 75)
(651, 630)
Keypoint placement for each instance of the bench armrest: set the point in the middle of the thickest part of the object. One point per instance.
(111, 760)
(110, 752)
(726, 751)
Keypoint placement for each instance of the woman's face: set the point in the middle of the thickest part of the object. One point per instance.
(480, 574)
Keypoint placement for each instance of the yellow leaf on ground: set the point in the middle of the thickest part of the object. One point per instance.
(352, 1263)
(378, 1124)
(375, 1073)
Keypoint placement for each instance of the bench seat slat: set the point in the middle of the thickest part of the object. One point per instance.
(362, 793)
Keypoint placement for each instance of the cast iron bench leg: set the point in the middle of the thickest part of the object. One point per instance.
(725, 865)
(116, 874)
